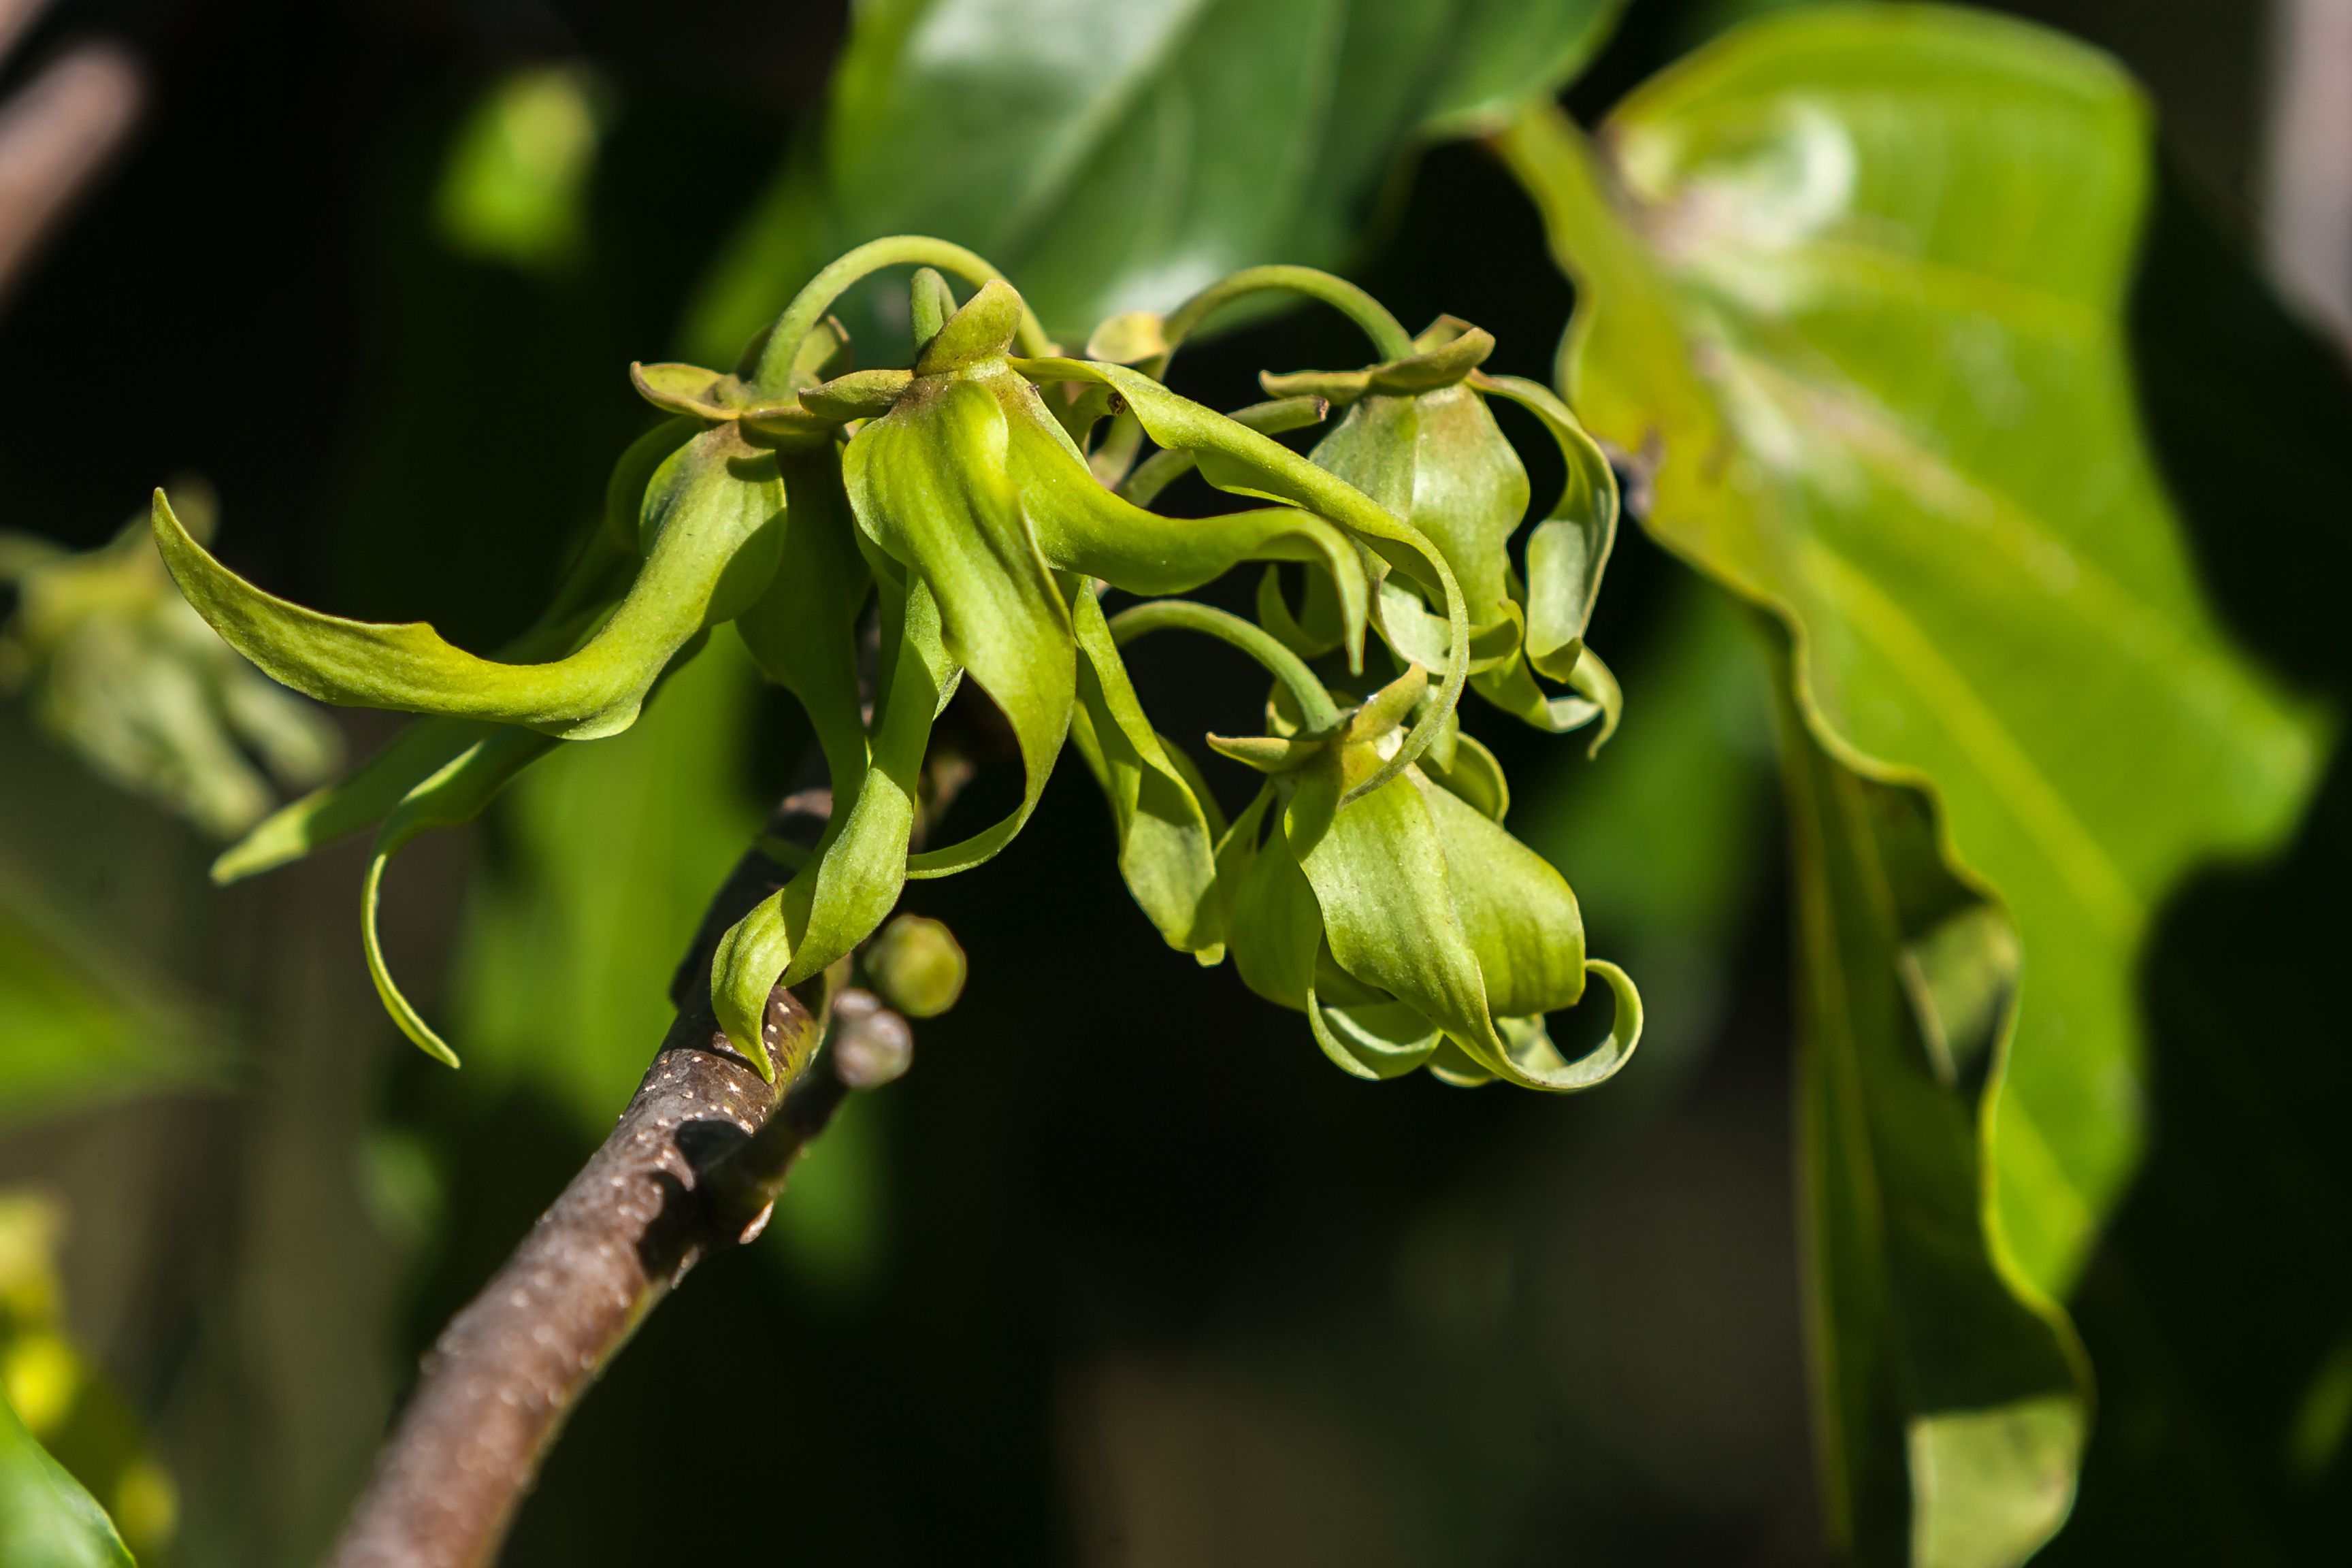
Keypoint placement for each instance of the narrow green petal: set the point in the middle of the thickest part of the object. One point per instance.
(1081, 527)
(595, 582)
(1166, 848)
(846, 890)
(351, 803)
(455, 793)
(711, 530)
(803, 632)
(1513, 689)
(929, 485)
(1569, 550)
(1237, 458)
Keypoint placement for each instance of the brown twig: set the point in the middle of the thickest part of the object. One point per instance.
(692, 1169)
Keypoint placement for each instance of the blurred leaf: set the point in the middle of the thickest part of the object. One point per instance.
(1955, 1397)
(515, 188)
(2219, 1307)
(122, 672)
(829, 1227)
(1118, 157)
(78, 1021)
(565, 962)
(1833, 278)
(46, 1520)
(49, 1395)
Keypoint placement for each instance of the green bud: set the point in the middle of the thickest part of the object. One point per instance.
(916, 966)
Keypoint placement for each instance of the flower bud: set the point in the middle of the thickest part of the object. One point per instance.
(916, 966)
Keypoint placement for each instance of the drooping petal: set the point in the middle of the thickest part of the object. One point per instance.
(1081, 527)
(711, 532)
(597, 578)
(455, 792)
(931, 486)
(1272, 920)
(803, 632)
(353, 803)
(1379, 870)
(1517, 911)
(1240, 460)
(1166, 846)
(1439, 461)
(850, 884)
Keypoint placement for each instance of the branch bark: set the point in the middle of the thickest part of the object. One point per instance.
(692, 1169)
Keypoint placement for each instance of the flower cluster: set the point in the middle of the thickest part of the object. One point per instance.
(984, 502)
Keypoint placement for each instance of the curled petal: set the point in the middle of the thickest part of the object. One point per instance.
(1537, 1064)
(455, 792)
(849, 886)
(1513, 689)
(1374, 1040)
(1166, 839)
(803, 632)
(1380, 873)
(1238, 459)
(711, 530)
(931, 487)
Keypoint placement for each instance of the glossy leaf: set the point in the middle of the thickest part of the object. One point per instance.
(46, 1519)
(1830, 273)
(1955, 1398)
(1116, 156)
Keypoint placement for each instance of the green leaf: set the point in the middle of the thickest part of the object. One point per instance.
(1955, 1398)
(1833, 276)
(1116, 154)
(1942, 559)
(83, 1021)
(46, 1519)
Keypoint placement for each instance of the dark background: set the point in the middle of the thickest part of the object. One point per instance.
(1147, 1281)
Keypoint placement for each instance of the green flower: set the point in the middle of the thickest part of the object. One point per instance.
(1419, 438)
(968, 500)
(985, 530)
(1405, 922)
